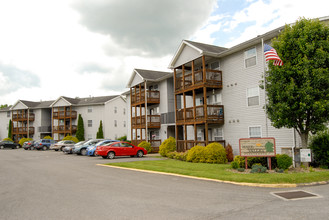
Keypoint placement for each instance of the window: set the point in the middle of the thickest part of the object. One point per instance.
(8, 114)
(124, 123)
(255, 132)
(115, 110)
(218, 134)
(217, 99)
(90, 123)
(250, 57)
(124, 111)
(90, 136)
(90, 109)
(115, 123)
(253, 96)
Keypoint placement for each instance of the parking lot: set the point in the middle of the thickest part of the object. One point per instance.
(53, 185)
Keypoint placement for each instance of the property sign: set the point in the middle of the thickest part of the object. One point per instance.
(257, 147)
(305, 155)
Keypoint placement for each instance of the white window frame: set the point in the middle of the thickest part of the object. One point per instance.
(248, 56)
(124, 111)
(90, 123)
(8, 114)
(115, 109)
(215, 133)
(251, 96)
(115, 123)
(255, 126)
(90, 109)
(124, 124)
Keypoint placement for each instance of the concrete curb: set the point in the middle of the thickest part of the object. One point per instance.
(220, 181)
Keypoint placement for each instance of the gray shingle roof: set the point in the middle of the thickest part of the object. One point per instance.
(89, 100)
(207, 47)
(152, 75)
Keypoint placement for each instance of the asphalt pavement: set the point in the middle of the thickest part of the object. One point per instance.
(53, 185)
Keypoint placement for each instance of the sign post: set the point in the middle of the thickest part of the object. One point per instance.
(257, 147)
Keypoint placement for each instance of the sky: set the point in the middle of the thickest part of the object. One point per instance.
(82, 48)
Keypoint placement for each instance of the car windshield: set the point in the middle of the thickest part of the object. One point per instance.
(61, 142)
(80, 143)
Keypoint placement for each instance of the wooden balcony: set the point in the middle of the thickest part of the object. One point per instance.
(64, 129)
(153, 97)
(23, 117)
(65, 114)
(155, 144)
(183, 146)
(215, 114)
(213, 79)
(153, 121)
(23, 130)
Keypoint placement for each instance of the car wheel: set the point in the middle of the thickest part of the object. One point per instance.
(17, 147)
(62, 148)
(95, 154)
(111, 155)
(25, 149)
(56, 149)
(32, 148)
(140, 153)
(83, 152)
(1, 147)
(44, 148)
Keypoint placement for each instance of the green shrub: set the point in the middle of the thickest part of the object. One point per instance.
(320, 148)
(241, 169)
(146, 146)
(235, 165)
(7, 139)
(256, 168)
(71, 138)
(23, 140)
(239, 160)
(215, 153)
(169, 145)
(212, 153)
(196, 154)
(257, 160)
(123, 138)
(283, 161)
(171, 155)
(180, 156)
(279, 170)
(48, 137)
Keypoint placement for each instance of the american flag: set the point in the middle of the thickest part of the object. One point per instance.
(270, 54)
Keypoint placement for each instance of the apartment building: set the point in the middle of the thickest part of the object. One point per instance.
(209, 79)
(58, 118)
(151, 111)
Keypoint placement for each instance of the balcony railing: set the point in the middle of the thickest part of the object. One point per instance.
(152, 97)
(22, 117)
(153, 121)
(215, 113)
(23, 130)
(64, 129)
(65, 114)
(213, 78)
(186, 145)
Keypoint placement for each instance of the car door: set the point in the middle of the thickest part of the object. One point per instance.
(128, 149)
(117, 149)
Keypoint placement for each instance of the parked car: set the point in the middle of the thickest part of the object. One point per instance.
(82, 149)
(120, 149)
(8, 144)
(61, 145)
(28, 145)
(91, 150)
(69, 149)
(43, 144)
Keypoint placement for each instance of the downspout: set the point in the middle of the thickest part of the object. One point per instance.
(146, 119)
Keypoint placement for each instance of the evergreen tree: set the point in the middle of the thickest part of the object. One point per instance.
(10, 135)
(80, 135)
(100, 134)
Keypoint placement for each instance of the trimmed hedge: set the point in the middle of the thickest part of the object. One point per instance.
(23, 140)
(283, 161)
(71, 138)
(212, 153)
(169, 145)
(320, 148)
(146, 146)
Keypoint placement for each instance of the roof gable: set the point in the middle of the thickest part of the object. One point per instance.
(140, 75)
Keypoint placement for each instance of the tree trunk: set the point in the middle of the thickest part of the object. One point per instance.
(304, 139)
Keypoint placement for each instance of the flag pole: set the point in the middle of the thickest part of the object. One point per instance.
(264, 70)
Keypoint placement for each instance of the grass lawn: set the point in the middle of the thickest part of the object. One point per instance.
(223, 172)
